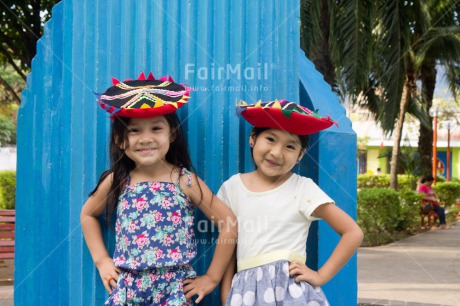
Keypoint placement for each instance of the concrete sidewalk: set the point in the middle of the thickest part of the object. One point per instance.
(420, 270)
(6, 282)
(6, 295)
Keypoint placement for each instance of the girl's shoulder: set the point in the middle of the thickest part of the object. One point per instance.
(188, 181)
(185, 177)
(104, 183)
(236, 178)
(192, 186)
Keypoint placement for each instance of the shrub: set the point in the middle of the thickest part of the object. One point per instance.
(451, 214)
(372, 181)
(407, 181)
(8, 189)
(447, 192)
(383, 181)
(409, 209)
(378, 214)
(440, 179)
(7, 131)
(384, 214)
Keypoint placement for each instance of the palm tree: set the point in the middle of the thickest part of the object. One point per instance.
(378, 49)
(440, 46)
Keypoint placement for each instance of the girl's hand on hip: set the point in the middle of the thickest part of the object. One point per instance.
(200, 286)
(301, 272)
(109, 273)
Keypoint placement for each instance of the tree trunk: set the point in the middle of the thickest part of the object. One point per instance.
(425, 141)
(10, 90)
(321, 55)
(398, 130)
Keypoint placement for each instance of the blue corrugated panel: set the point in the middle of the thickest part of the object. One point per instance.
(227, 50)
(331, 162)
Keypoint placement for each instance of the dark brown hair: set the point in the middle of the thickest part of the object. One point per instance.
(121, 165)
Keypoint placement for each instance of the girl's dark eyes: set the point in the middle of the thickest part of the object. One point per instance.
(271, 139)
(291, 147)
(136, 130)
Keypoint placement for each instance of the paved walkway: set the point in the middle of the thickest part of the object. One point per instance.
(6, 282)
(421, 270)
(6, 295)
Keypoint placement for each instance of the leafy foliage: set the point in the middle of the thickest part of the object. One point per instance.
(15, 82)
(373, 181)
(7, 131)
(21, 25)
(7, 189)
(447, 192)
(377, 51)
(377, 212)
(383, 181)
(409, 207)
(384, 212)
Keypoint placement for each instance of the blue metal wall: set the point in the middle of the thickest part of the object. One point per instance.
(227, 50)
(330, 161)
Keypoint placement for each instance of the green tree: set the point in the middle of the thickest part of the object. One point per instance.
(439, 46)
(7, 131)
(21, 25)
(377, 49)
(13, 79)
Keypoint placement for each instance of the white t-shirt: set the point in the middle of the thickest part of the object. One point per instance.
(274, 222)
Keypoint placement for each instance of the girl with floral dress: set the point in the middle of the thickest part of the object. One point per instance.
(275, 207)
(153, 193)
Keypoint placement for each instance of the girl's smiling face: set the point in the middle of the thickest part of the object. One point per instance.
(148, 140)
(275, 152)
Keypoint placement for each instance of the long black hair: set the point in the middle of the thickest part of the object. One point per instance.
(428, 178)
(121, 165)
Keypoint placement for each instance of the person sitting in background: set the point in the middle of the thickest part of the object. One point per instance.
(430, 195)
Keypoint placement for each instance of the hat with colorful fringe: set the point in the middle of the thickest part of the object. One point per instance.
(284, 115)
(144, 97)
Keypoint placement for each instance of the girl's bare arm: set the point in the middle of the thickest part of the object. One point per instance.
(351, 238)
(226, 282)
(91, 227)
(225, 220)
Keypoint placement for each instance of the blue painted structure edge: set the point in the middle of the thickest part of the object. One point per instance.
(334, 170)
(88, 60)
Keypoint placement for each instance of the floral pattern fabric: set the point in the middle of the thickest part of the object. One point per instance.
(162, 286)
(154, 244)
(154, 226)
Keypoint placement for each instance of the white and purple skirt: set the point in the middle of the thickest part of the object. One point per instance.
(270, 285)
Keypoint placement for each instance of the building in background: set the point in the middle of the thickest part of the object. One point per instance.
(374, 147)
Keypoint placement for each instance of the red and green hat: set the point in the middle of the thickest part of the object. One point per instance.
(284, 115)
(144, 97)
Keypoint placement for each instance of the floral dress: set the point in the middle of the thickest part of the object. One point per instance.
(154, 244)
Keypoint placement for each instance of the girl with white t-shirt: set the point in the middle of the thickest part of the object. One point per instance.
(275, 207)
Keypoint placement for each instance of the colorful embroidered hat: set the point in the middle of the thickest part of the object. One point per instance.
(144, 97)
(284, 115)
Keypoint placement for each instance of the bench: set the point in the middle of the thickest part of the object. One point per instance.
(429, 214)
(7, 222)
